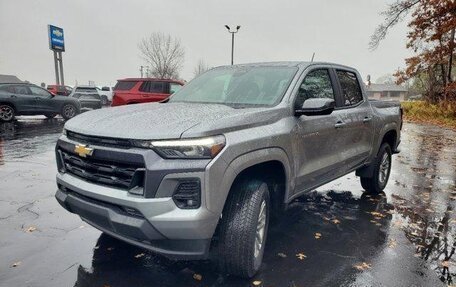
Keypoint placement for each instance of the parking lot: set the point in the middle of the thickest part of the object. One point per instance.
(334, 236)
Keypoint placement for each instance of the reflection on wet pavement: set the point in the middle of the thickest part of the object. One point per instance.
(425, 203)
(333, 231)
(21, 138)
(334, 236)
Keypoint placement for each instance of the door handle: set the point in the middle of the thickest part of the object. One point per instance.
(340, 124)
(367, 119)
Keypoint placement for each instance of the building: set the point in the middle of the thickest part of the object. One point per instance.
(9, 79)
(387, 92)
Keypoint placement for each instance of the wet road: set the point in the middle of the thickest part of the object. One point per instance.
(334, 236)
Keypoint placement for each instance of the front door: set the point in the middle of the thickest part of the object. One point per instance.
(43, 100)
(317, 150)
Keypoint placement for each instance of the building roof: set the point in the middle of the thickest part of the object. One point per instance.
(9, 79)
(386, 88)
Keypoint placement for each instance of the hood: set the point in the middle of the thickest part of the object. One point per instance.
(166, 120)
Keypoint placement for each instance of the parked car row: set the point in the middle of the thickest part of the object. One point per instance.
(28, 99)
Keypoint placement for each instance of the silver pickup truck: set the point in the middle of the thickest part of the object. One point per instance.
(203, 172)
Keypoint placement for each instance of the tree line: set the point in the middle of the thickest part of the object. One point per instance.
(431, 37)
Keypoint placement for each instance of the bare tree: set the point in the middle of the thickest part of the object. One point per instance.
(394, 14)
(164, 54)
(200, 68)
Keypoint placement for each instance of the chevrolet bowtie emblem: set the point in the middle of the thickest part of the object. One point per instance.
(83, 150)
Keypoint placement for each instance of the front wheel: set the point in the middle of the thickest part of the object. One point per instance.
(68, 111)
(382, 169)
(7, 113)
(243, 228)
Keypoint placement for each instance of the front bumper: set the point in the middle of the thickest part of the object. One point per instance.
(150, 220)
(88, 105)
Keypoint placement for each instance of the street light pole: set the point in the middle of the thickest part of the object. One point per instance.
(232, 40)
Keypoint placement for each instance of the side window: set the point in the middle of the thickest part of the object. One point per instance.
(351, 90)
(173, 87)
(317, 84)
(39, 92)
(144, 87)
(156, 87)
(7, 88)
(22, 90)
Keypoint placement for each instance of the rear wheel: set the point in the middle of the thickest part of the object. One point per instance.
(68, 111)
(7, 113)
(243, 228)
(381, 173)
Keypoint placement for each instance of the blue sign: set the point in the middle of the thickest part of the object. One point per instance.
(56, 41)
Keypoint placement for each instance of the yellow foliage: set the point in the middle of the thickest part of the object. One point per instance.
(443, 114)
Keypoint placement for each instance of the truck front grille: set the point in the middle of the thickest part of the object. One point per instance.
(101, 141)
(120, 175)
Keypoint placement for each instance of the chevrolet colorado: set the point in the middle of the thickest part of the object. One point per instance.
(203, 172)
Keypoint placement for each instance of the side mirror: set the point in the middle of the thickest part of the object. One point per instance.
(106, 89)
(316, 107)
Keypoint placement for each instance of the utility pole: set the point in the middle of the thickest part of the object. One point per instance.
(232, 40)
(141, 70)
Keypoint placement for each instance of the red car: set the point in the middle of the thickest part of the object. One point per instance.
(60, 90)
(143, 90)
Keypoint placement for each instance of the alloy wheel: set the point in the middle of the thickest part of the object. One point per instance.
(6, 113)
(259, 237)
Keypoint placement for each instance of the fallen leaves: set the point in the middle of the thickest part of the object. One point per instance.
(392, 243)
(15, 264)
(256, 283)
(197, 277)
(30, 229)
(301, 256)
(283, 255)
(110, 248)
(317, 235)
(336, 221)
(139, 255)
(362, 266)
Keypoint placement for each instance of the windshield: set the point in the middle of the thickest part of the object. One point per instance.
(238, 86)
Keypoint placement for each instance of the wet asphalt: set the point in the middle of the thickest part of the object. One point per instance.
(335, 236)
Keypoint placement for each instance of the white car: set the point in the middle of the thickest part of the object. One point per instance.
(106, 94)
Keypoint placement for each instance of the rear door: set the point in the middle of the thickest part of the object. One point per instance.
(154, 91)
(355, 122)
(21, 97)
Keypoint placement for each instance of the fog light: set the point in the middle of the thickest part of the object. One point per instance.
(188, 194)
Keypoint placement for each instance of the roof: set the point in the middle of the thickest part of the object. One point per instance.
(9, 79)
(301, 64)
(386, 88)
(150, 79)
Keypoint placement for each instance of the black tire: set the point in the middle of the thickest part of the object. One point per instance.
(377, 182)
(50, 116)
(239, 252)
(104, 100)
(7, 113)
(66, 114)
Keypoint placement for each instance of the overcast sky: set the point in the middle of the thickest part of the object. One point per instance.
(101, 36)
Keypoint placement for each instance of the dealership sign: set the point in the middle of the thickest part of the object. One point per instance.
(56, 41)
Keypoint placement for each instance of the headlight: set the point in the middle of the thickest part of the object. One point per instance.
(64, 132)
(196, 148)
